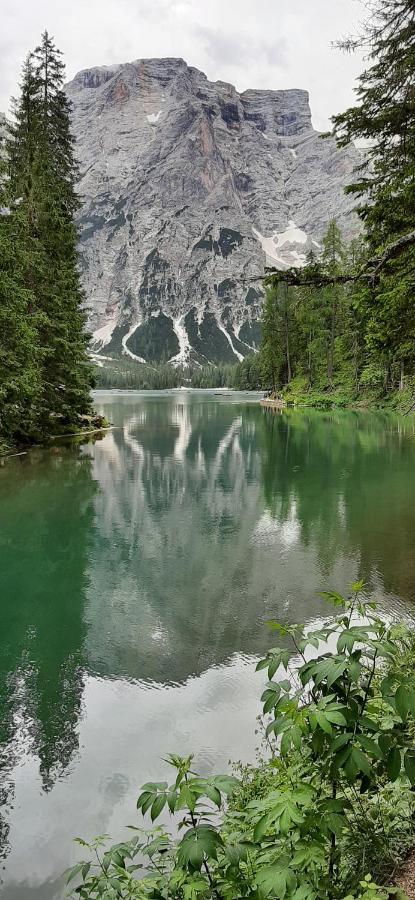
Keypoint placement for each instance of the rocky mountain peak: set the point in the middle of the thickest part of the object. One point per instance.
(188, 190)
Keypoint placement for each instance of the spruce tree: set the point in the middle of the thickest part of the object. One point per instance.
(385, 117)
(333, 258)
(20, 353)
(43, 171)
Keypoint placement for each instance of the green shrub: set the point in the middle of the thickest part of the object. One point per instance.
(332, 800)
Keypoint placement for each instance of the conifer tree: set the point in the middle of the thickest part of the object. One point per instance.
(385, 117)
(333, 258)
(20, 353)
(43, 172)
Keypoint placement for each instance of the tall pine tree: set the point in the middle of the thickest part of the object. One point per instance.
(385, 117)
(43, 172)
(20, 352)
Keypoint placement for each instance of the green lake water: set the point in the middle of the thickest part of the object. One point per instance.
(136, 576)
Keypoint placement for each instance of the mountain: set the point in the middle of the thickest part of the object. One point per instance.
(189, 189)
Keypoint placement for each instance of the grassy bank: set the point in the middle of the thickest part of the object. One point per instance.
(343, 396)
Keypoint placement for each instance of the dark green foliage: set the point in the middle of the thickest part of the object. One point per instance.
(244, 376)
(155, 340)
(361, 320)
(20, 354)
(40, 192)
(333, 798)
(385, 117)
(313, 332)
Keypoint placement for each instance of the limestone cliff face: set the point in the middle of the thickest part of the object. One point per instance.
(189, 189)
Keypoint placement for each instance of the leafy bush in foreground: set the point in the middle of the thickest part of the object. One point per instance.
(332, 801)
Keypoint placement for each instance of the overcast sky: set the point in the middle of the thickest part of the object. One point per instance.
(251, 43)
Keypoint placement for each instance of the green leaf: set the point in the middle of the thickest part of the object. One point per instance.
(154, 786)
(262, 664)
(274, 879)
(393, 763)
(340, 741)
(214, 794)
(273, 666)
(226, 784)
(335, 717)
(238, 852)
(285, 745)
(278, 726)
(360, 760)
(357, 586)
(261, 827)
(158, 806)
(71, 873)
(384, 741)
(296, 736)
(171, 800)
(409, 763)
(371, 747)
(333, 597)
(401, 702)
(198, 844)
(335, 823)
(323, 722)
(186, 798)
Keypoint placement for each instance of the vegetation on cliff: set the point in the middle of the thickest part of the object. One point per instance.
(346, 322)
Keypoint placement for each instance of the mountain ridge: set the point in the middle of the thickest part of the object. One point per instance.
(189, 188)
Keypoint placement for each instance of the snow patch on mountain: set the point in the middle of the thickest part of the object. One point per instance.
(229, 340)
(154, 117)
(126, 349)
(102, 336)
(182, 357)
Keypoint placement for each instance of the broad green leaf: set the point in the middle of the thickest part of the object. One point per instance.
(393, 763)
(340, 741)
(360, 760)
(214, 794)
(158, 806)
(72, 873)
(296, 736)
(262, 664)
(401, 702)
(199, 843)
(323, 722)
(357, 586)
(335, 717)
(371, 747)
(171, 800)
(226, 784)
(333, 597)
(384, 741)
(335, 823)
(409, 763)
(274, 880)
(262, 826)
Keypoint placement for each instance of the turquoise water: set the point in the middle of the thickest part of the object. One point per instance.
(136, 576)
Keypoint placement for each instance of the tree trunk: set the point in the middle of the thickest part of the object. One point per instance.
(330, 360)
(402, 376)
(309, 367)
(287, 349)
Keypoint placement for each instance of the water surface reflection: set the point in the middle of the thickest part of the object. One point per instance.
(136, 575)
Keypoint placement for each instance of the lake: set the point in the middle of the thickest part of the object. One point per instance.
(137, 573)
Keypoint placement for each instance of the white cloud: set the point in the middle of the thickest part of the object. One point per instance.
(267, 44)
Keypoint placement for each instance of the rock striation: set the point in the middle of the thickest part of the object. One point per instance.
(189, 189)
